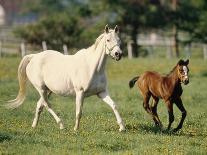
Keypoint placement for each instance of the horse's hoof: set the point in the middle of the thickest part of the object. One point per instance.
(61, 126)
(34, 125)
(75, 128)
(122, 129)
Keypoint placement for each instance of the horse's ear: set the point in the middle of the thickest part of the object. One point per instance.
(180, 62)
(187, 62)
(116, 29)
(106, 28)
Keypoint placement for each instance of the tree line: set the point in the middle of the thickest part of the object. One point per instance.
(77, 23)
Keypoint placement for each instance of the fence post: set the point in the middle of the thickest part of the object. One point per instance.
(129, 49)
(65, 49)
(23, 49)
(169, 52)
(168, 45)
(0, 49)
(188, 50)
(44, 45)
(205, 51)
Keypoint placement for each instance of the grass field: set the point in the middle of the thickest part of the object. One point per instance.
(98, 133)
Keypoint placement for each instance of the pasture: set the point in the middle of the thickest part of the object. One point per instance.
(98, 133)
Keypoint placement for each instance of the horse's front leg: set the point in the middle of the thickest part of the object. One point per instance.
(170, 113)
(79, 105)
(179, 104)
(107, 99)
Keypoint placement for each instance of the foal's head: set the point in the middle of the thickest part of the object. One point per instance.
(182, 69)
(112, 43)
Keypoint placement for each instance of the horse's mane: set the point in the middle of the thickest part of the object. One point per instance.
(98, 40)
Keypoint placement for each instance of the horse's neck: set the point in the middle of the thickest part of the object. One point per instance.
(97, 58)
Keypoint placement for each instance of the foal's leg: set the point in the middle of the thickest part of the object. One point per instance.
(179, 104)
(107, 99)
(146, 98)
(79, 105)
(170, 113)
(153, 108)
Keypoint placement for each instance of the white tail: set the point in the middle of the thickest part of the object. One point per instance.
(22, 77)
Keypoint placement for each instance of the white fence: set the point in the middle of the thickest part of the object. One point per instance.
(18, 47)
(154, 46)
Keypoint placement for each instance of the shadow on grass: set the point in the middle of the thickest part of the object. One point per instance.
(4, 137)
(150, 129)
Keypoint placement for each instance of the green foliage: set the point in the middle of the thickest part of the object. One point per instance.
(57, 30)
(74, 21)
(98, 132)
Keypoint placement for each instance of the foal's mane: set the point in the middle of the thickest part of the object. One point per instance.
(172, 71)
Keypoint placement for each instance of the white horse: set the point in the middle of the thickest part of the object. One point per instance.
(81, 75)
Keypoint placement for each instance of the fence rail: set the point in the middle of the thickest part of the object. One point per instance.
(153, 48)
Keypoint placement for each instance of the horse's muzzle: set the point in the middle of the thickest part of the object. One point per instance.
(118, 56)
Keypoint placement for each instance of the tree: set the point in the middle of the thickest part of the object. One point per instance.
(133, 16)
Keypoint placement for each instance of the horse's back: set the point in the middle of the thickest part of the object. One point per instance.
(47, 69)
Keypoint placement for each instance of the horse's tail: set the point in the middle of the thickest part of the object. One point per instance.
(133, 81)
(22, 78)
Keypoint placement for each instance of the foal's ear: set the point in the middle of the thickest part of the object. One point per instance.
(181, 62)
(106, 28)
(187, 62)
(116, 29)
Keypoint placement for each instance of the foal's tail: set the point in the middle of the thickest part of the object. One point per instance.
(133, 81)
(22, 78)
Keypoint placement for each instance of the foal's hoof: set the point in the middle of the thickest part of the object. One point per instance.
(175, 130)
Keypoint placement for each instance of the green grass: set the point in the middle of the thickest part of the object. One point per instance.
(98, 133)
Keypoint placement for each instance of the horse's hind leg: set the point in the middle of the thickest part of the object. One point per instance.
(39, 109)
(153, 108)
(49, 109)
(43, 102)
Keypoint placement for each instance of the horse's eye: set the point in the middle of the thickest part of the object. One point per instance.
(107, 40)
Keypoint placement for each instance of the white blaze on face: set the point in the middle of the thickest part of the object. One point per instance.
(185, 69)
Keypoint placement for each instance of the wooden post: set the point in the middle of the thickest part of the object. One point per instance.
(44, 46)
(188, 50)
(168, 45)
(205, 51)
(129, 49)
(0, 49)
(65, 49)
(23, 49)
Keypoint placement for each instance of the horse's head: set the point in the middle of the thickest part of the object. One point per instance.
(182, 68)
(112, 43)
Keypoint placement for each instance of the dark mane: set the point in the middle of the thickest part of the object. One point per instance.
(171, 71)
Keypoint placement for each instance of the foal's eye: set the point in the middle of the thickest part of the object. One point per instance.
(181, 70)
(107, 40)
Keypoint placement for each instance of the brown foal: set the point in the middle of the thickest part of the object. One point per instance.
(167, 88)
